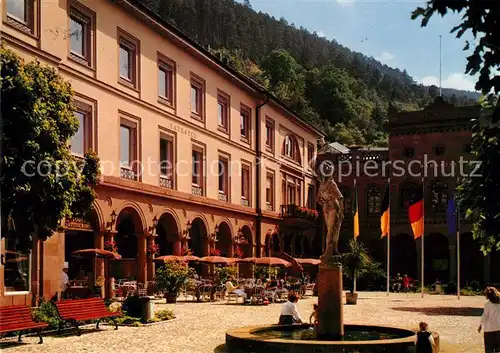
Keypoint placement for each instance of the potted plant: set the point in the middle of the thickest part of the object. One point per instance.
(170, 278)
(355, 263)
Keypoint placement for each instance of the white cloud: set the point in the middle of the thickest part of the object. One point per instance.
(345, 2)
(385, 56)
(454, 80)
(321, 34)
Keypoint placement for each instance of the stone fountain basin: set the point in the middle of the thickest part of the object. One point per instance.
(253, 340)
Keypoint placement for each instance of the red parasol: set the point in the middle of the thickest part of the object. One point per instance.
(246, 260)
(97, 253)
(170, 258)
(271, 261)
(313, 262)
(218, 260)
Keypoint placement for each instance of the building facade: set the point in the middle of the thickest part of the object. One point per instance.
(193, 155)
(424, 146)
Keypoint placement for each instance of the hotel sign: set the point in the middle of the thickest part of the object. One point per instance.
(77, 224)
(182, 130)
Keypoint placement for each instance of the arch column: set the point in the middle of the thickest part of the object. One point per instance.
(150, 263)
(108, 279)
(99, 266)
(141, 258)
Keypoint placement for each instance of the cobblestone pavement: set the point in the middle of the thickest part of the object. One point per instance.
(201, 327)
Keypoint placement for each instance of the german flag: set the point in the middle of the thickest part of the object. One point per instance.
(416, 213)
(385, 214)
(356, 212)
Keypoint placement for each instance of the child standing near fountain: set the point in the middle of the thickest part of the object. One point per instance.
(315, 314)
(424, 340)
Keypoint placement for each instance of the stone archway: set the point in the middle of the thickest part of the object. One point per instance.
(199, 239)
(168, 238)
(245, 244)
(436, 252)
(403, 256)
(131, 244)
(225, 240)
(471, 260)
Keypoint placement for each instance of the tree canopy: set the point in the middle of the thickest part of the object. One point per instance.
(41, 182)
(480, 193)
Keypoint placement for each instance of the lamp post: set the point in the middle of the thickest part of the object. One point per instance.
(153, 228)
(110, 224)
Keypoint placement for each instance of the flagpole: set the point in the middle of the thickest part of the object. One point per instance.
(423, 235)
(355, 237)
(389, 241)
(458, 251)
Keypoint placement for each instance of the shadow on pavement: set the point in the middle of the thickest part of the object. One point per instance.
(466, 311)
(220, 349)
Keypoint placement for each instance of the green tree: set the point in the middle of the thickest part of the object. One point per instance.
(280, 68)
(41, 183)
(479, 195)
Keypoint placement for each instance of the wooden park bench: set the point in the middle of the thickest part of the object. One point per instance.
(80, 310)
(18, 318)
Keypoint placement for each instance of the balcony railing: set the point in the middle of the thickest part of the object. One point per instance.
(222, 196)
(244, 201)
(197, 190)
(295, 211)
(127, 173)
(165, 182)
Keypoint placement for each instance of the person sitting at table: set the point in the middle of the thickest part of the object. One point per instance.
(232, 289)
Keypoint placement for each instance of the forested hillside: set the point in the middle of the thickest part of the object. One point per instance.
(346, 93)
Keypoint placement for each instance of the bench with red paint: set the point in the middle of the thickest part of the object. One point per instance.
(75, 311)
(18, 318)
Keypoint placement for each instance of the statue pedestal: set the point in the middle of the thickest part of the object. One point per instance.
(331, 317)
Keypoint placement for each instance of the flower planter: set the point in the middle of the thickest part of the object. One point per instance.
(351, 298)
(171, 298)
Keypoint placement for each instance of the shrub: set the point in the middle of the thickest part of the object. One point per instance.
(171, 277)
(450, 288)
(47, 312)
(223, 273)
(164, 315)
(133, 306)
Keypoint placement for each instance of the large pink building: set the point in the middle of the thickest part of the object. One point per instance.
(192, 153)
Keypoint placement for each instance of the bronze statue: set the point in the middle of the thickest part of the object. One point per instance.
(332, 202)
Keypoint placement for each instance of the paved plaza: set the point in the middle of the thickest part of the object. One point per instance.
(201, 327)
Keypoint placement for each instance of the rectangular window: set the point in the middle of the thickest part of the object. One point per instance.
(166, 81)
(17, 267)
(310, 152)
(128, 59)
(245, 123)
(245, 185)
(270, 192)
(77, 142)
(128, 150)
(197, 172)
(223, 179)
(125, 146)
(18, 9)
(222, 111)
(291, 194)
(166, 161)
(197, 97)
(22, 14)
(80, 36)
(269, 135)
(310, 197)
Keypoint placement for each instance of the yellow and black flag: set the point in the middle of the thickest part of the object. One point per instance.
(356, 211)
(385, 213)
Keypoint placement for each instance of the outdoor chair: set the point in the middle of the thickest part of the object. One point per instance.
(220, 292)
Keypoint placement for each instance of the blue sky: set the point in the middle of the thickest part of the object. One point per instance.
(384, 30)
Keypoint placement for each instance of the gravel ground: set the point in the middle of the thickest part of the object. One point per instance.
(201, 327)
